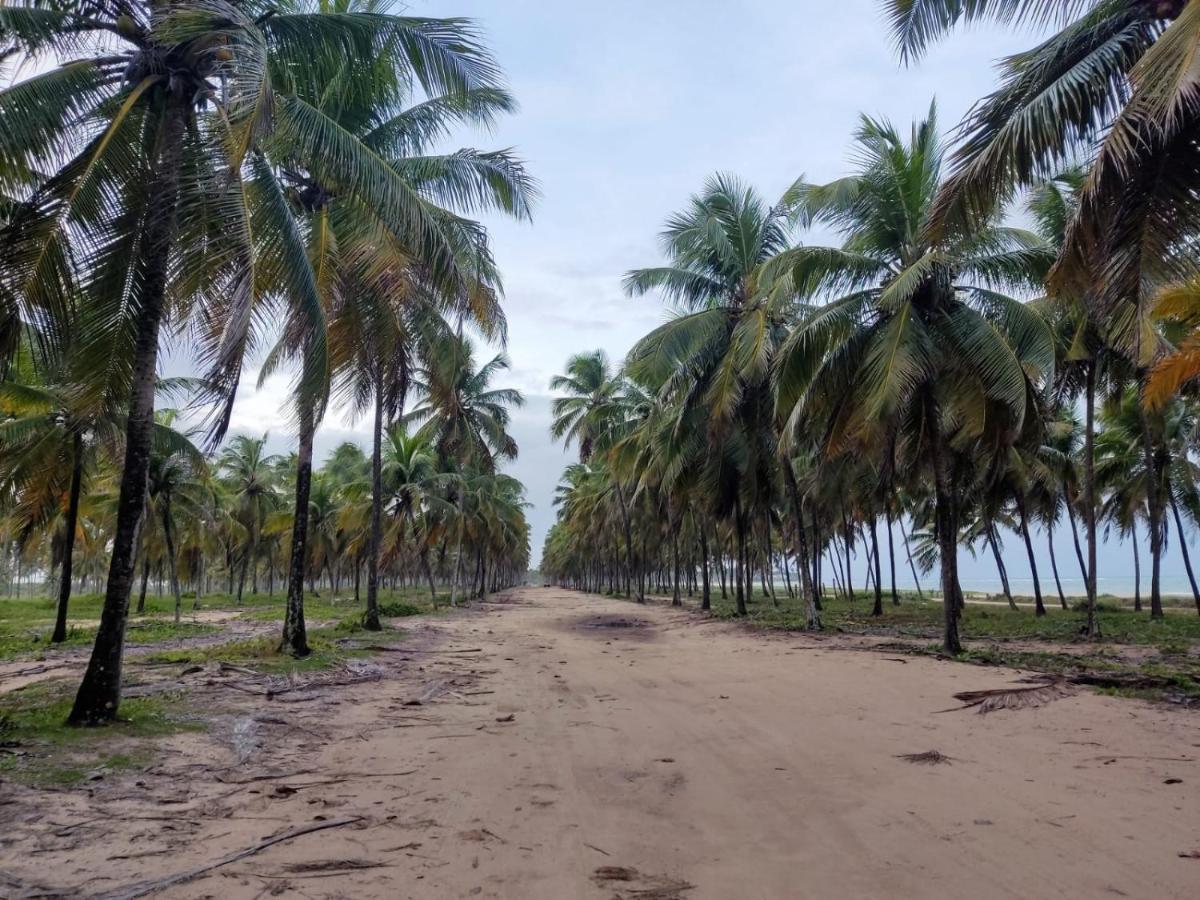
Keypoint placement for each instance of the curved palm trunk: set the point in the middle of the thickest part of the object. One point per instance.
(172, 564)
(1187, 559)
(64, 586)
(1062, 598)
(1000, 567)
(1037, 584)
(371, 621)
(99, 694)
(1083, 569)
(295, 635)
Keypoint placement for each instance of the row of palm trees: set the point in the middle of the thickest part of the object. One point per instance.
(255, 180)
(219, 524)
(803, 394)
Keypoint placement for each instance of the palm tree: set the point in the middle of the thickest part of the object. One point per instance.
(1112, 85)
(466, 418)
(920, 351)
(246, 469)
(410, 482)
(367, 266)
(163, 165)
(724, 270)
(585, 412)
(50, 444)
(177, 481)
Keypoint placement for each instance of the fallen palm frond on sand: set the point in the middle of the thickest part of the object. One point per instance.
(928, 758)
(1045, 690)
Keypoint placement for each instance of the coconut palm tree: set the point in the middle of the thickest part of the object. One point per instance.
(920, 350)
(724, 269)
(466, 419)
(246, 468)
(587, 409)
(177, 482)
(139, 164)
(1112, 85)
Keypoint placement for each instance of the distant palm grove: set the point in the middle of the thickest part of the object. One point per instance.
(251, 183)
(1003, 341)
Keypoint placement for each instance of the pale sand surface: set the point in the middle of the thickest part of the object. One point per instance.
(716, 762)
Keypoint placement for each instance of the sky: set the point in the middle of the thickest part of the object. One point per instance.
(626, 108)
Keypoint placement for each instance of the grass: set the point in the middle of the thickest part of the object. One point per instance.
(1000, 636)
(38, 748)
(330, 645)
(26, 623)
(26, 640)
(923, 619)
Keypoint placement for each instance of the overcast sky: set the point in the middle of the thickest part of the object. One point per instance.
(626, 107)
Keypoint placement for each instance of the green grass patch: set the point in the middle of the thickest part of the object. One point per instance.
(330, 645)
(923, 619)
(38, 748)
(18, 641)
(996, 633)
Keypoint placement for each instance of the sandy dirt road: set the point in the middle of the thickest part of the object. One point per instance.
(572, 746)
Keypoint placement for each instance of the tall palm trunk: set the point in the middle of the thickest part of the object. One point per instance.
(1089, 497)
(72, 522)
(740, 527)
(1187, 559)
(812, 599)
(247, 557)
(706, 585)
(200, 578)
(1137, 568)
(947, 535)
(1154, 503)
(672, 525)
(371, 622)
(295, 635)
(141, 604)
(99, 693)
(877, 610)
(628, 537)
(462, 527)
(891, 554)
(172, 564)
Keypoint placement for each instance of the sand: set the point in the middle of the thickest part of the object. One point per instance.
(597, 749)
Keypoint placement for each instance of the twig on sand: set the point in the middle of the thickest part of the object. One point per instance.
(145, 888)
(336, 779)
(379, 648)
(597, 849)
